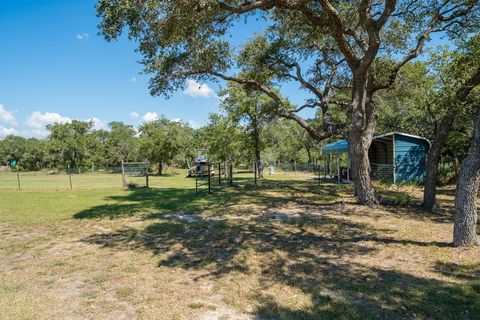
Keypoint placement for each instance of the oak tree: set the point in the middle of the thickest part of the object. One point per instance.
(326, 46)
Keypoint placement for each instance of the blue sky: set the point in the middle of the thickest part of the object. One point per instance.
(54, 67)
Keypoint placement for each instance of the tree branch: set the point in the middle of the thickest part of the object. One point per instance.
(280, 106)
(308, 105)
(467, 87)
(248, 6)
(299, 77)
(422, 38)
(338, 32)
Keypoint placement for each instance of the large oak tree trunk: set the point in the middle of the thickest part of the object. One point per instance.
(309, 155)
(433, 159)
(256, 142)
(359, 141)
(465, 221)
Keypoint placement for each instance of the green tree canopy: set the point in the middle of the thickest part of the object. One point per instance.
(164, 141)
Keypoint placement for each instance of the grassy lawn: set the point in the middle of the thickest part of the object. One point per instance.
(288, 248)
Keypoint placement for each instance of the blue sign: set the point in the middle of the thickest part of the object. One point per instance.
(13, 163)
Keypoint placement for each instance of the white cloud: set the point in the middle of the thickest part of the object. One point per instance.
(133, 79)
(83, 36)
(134, 115)
(150, 116)
(97, 123)
(7, 131)
(193, 124)
(196, 89)
(7, 117)
(38, 122)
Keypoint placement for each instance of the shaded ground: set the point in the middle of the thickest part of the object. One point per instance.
(290, 248)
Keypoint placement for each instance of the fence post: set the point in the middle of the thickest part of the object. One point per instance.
(319, 172)
(231, 173)
(124, 183)
(18, 178)
(146, 178)
(209, 178)
(196, 182)
(255, 169)
(69, 176)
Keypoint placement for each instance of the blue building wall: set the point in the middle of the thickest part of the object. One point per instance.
(410, 157)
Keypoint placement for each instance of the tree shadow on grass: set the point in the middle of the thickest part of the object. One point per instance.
(417, 212)
(352, 291)
(403, 203)
(458, 271)
(213, 242)
(312, 253)
(317, 263)
(182, 200)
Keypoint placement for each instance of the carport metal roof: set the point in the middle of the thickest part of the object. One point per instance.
(341, 146)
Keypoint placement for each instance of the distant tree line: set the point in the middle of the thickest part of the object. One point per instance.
(163, 142)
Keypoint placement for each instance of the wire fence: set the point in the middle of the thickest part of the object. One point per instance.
(381, 172)
(297, 167)
(59, 180)
(65, 178)
(111, 177)
(342, 171)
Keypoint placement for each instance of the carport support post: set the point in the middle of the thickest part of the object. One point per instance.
(325, 167)
(338, 167)
(330, 161)
(348, 168)
(393, 151)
